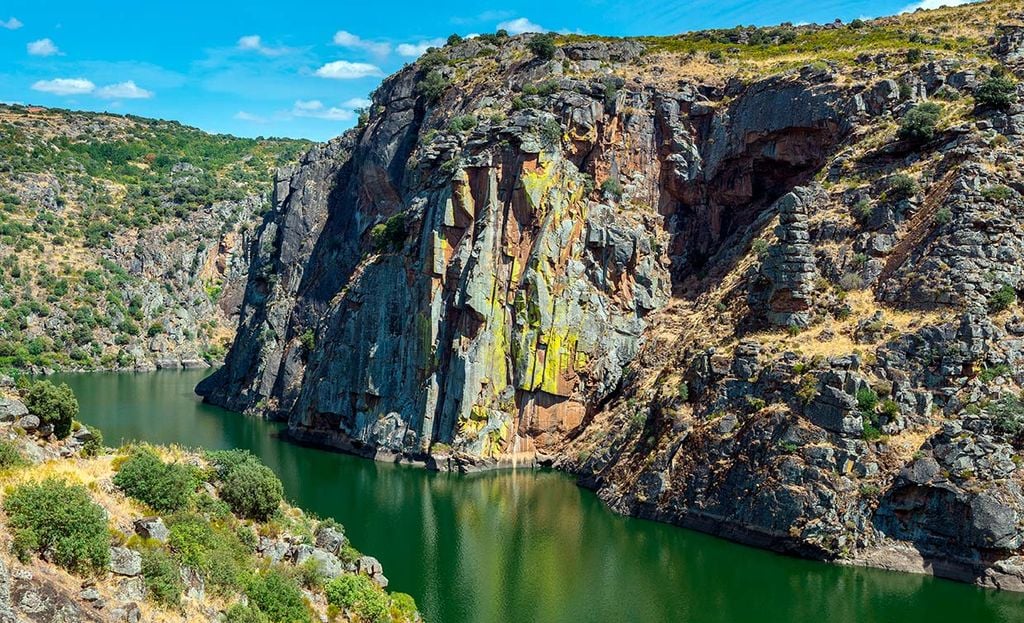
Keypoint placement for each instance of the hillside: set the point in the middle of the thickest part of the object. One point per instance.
(162, 534)
(760, 282)
(123, 240)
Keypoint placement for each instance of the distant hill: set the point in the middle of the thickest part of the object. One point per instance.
(122, 238)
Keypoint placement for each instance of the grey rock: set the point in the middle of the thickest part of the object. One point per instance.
(152, 528)
(125, 561)
(11, 409)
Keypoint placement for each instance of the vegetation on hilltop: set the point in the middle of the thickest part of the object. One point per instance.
(94, 208)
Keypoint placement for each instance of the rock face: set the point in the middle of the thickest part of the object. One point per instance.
(741, 304)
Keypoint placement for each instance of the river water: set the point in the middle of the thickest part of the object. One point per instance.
(529, 545)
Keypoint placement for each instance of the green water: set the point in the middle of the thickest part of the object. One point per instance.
(530, 546)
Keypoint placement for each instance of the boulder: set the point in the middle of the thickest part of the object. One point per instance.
(152, 528)
(11, 409)
(125, 561)
(29, 422)
(331, 539)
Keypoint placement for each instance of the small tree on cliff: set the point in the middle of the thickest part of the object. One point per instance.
(543, 46)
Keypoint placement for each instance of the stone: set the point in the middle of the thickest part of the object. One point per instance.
(28, 422)
(152, 528)
(125, 561)
(328, 564)
(834, 410)
(131, 589)
(331, 539)
(11, 409)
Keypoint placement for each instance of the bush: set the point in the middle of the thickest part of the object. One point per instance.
(359, 594)
(61, 519)
(612, 188)
(53, 404)
(432, 86)
(943, 215)
(10, 455)
(462, 123)
(252, 490)
(543, 46)
(901, 186)
(94, 445)
(278, 597)
(212, 549)
(163, 486)
(224, 461)
(1007, 415)
(997, 92)
(390, 234)
(242, 613)
(997, 193)
(867, 400)
(919, 124)
(1002, 299)
(403, 608)
(162, 575)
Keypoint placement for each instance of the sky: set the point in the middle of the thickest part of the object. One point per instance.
(302, 69)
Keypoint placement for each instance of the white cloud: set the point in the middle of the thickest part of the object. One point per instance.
(934, 4)
(345, 70)
(520, 25)
(12, 24)
(246, 116)
(317, 110)
(357, 102)
(81, 86)
(254, 43)
(124, 90)
(346, 39)
(43, 47)
(413, 50)
(65, 86)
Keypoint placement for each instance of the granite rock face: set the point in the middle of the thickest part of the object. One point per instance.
(747, 306)
(490, 303)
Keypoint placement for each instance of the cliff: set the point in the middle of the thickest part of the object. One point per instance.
(761, 282)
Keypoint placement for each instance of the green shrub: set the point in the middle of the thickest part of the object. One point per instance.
(991, 373)
(943, 215)
(10, 455)
(212, 549)
(243, 613)
(543, 46)
(462, 123)
(901, 186)
(684, 391)
(432, 86)
(224, 461)
(53, 404)
(359, 594)
(163, 486)
(390, 234)
(871, 432)
(997, 193)
(62, 519)
(252, 490)
(278, 597)
(1007, 414)
(403, 608)
(612, 188)
(867, 400)
(1003, 298)
(162, 576)
(94, 445)
(920, 122)
(996, 92)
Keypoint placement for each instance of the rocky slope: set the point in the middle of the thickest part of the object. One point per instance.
(202, 560)
(123, 240)
(761, 282)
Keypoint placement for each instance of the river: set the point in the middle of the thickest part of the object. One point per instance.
(529, 545)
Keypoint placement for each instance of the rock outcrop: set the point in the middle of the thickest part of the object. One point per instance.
(746, 303)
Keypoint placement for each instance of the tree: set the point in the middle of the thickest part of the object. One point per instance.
(61, 519)
(997, 92)
(163, 486)
(53, 404)
(252, 490)
(919, 124)
(432, 86)
(543, 46)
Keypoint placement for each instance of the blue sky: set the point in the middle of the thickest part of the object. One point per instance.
(299, 69)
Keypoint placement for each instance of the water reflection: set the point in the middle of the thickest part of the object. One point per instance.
(530, 546)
